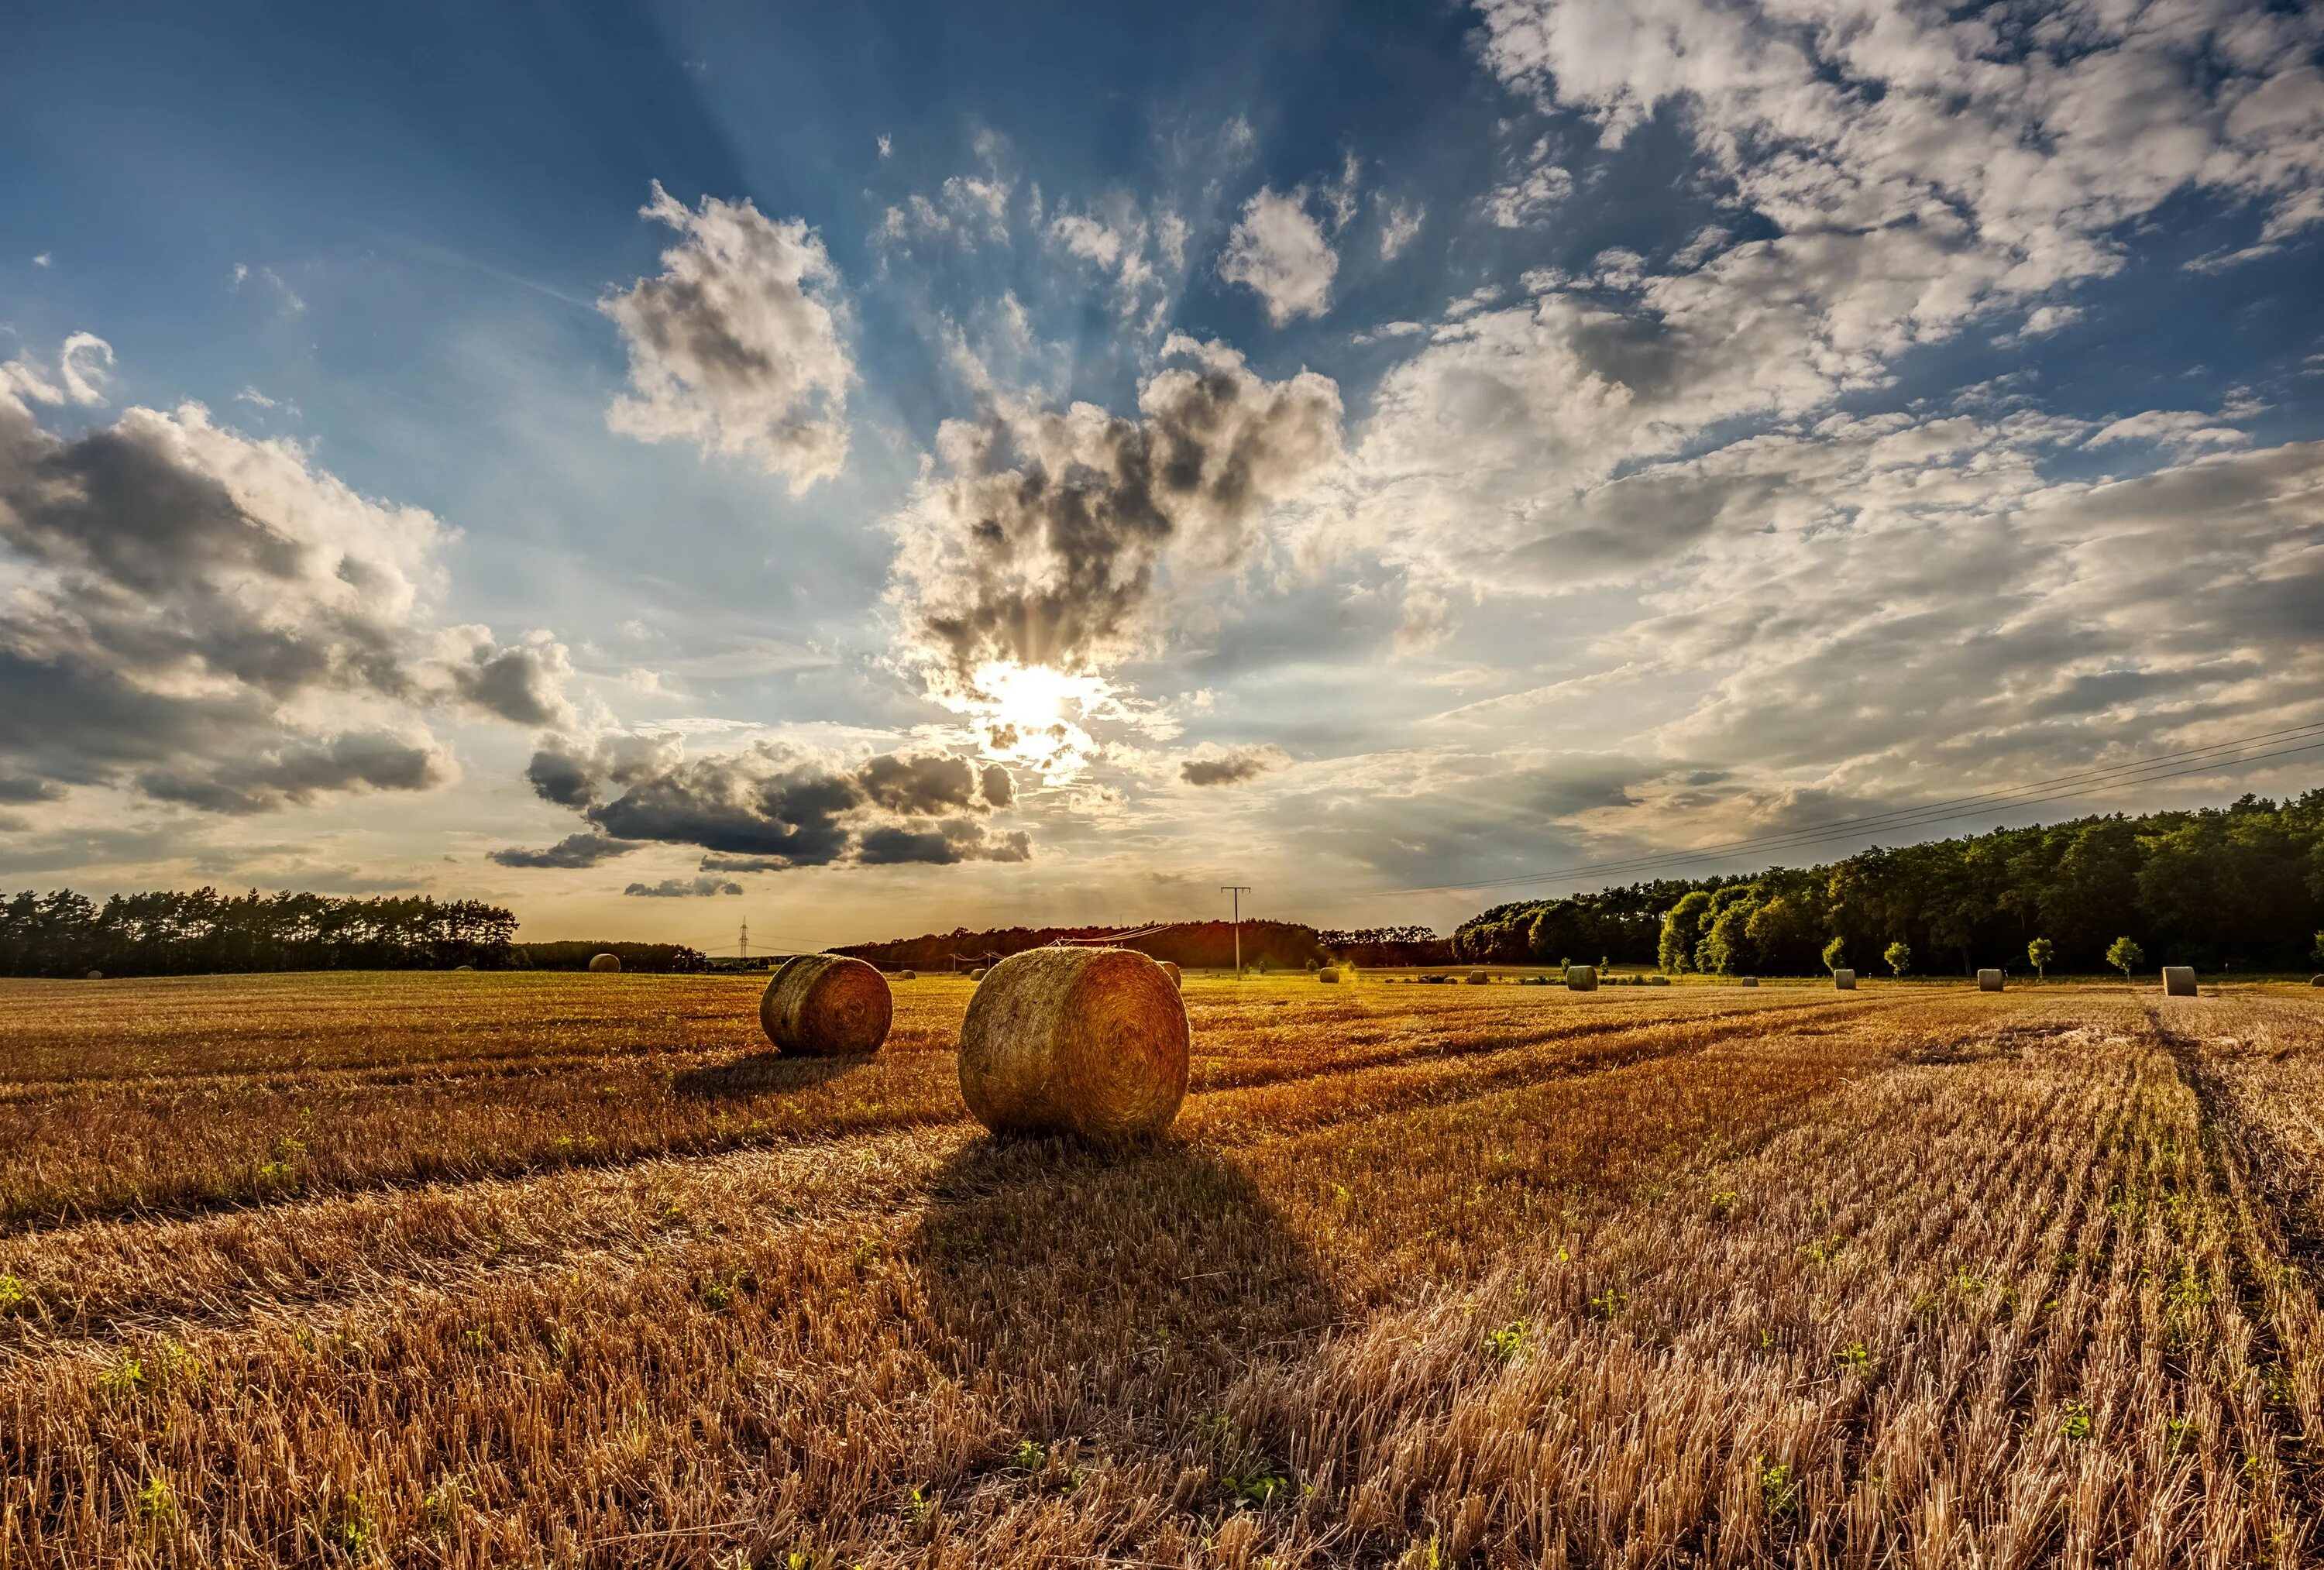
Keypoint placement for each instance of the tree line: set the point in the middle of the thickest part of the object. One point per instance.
(181, 933)
(2238, 889)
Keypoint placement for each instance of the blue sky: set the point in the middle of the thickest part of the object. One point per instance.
(875, 468)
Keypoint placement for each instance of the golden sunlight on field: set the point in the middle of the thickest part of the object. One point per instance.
(489, 1270)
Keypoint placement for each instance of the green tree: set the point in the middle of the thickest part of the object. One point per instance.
(2040, 951)
(2124, 956)
(1899, 956)
(1834, 953)
(2320, 948)
(1681, 930)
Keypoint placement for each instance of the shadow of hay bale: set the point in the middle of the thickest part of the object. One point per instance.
(1126, 1289)
(761, 1074)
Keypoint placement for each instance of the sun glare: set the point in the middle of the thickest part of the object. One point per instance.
(1032, 715)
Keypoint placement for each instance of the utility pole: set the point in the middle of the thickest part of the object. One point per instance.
(746, 943)
(1238, 890)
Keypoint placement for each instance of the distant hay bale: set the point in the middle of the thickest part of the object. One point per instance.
(977, 974)
(97, 976)
(908, 976)
(1328, 976)
(1843, 980)
(1659, 982)
(1581, 978)
(606, 964)
(2316, 981)
(1087, 1042)
(826, 1006)
(1748, 981)
(1988, 980)
(2178, 980)
(1170, 968)
(457, 969)
(1479, 978)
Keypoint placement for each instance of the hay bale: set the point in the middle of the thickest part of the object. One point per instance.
(2316, 981)
(1087, 1042)
(1328, 976)
(457, 969)
(2178, 980)
(826, 1006)
(977, 974)
(1843, 980)
(1748, 981)
(1170, 968)
(1479, 978)
(606, 964)
(1988, 980)
(1581, 978)
(1659, 982)
(97, 976)
(908, 976)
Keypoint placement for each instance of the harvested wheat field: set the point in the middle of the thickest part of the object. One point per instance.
(570, 1269)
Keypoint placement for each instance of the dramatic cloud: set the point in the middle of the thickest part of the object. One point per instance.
(736, 346)
(772, 807)
(585, 849)
(1279, 253)
(1039, 544)
(214, 621)
(683, 888)
(1237, 766)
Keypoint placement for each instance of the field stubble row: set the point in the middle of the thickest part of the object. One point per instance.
(1956, 1279)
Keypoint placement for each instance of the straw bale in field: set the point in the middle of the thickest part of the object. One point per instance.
(826, 1006)
(1988, 980)
(1087, 1042)
(1748, 981)
(97, 976)
(1478, 978)
(1171, 970)
(2316, 981)
(977, 974)
(1843, 980)
(1327, 974)
(2178, 980)
(1581, 978)
(457, 969)
(606, 964)
(908, 976)
(1659, 982)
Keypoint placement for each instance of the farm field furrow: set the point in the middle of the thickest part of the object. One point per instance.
(1920, 1277)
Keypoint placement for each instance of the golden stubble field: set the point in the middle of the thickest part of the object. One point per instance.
(564, 1270)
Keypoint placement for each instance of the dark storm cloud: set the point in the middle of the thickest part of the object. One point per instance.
(1236, 767)
(683, 888)
(769, 808)
(1042, 543)
(301, 772)
(582, 850)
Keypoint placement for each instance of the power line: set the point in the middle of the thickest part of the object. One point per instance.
(2089, 782)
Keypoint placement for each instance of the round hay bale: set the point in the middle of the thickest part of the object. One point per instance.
(1479, 978)
(1988, 980)
(1748, 981)
(2316, 981)
(606, 964)
(1843, 980)
(1088, 1042)
(977, 974)
(908, 976)
(1328, 976)
(826, 1006)
(457, 969)
(1581, 978)
(1659, 982)
(1170, 968)
(97, 976)
(2178, 980)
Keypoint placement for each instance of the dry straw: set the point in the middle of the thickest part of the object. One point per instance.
(1087, 1042)
(606, 964)
(826, 1006)
(1988, 980)
(1581, 978)
(2178, 980)
(1843, 980)
(1170, 969)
